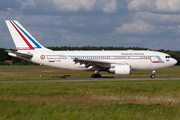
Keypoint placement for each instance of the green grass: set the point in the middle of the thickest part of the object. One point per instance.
(37, 111)
(134, 100)
(28, 73)
(20, 68)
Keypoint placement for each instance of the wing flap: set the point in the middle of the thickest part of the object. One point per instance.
(96, 63)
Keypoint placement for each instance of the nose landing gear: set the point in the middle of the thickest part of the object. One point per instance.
(153, 76)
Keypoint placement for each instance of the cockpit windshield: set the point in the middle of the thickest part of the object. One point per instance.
(168, 56)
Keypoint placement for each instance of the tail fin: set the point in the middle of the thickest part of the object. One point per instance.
(23, 40)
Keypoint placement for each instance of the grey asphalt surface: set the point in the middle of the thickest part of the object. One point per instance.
(90, 79)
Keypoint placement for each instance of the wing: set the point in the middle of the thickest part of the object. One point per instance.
(25, 56)
(101, 64)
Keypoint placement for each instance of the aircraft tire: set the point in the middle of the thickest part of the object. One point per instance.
(93, 76)
(152, 76)
(98, 75)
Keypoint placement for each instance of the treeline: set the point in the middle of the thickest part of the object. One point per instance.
(16, 61)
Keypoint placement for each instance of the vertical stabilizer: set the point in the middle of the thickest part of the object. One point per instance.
(22, 38)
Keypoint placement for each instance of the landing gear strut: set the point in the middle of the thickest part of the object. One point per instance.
(153, 76)
(96, 75)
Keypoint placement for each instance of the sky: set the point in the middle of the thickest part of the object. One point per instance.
(153, 24)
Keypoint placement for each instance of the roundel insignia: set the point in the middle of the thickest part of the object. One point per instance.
(42, 57)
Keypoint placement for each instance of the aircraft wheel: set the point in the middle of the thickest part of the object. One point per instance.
(93, 76)
(152, 76)
(98, 75)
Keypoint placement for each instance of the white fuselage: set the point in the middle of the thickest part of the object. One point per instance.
(138, 60)
(117, 62)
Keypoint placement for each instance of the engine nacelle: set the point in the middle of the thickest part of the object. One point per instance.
(120, 69)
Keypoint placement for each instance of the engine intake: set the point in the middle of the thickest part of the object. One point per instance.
(120, 69)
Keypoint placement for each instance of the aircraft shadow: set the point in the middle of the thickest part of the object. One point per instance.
(107, 77)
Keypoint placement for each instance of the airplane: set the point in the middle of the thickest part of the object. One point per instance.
(116, 62)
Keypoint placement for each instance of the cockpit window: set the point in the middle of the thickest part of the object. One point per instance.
(168, 56)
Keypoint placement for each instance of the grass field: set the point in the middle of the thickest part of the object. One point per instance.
(125, 100)
(135, 100)
(28, 73)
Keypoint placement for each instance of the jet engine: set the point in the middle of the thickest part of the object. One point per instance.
(120, 69)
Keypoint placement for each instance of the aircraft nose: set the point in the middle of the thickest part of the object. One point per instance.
(174, 61)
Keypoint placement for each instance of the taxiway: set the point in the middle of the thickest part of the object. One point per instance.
(91, 79)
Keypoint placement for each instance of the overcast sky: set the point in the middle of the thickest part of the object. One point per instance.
(153, 24)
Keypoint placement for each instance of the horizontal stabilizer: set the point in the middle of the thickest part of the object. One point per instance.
(20, 55)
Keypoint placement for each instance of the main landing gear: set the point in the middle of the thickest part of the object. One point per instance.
(96, 75)
(153, 76)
